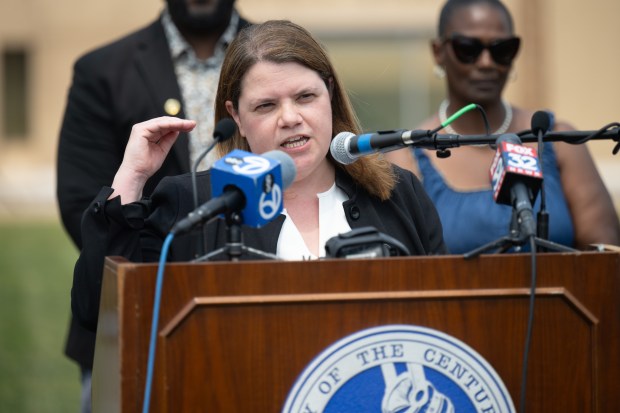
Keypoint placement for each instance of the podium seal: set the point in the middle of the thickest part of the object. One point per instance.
(399, 369)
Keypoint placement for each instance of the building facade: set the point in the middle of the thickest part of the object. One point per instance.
(381, 50)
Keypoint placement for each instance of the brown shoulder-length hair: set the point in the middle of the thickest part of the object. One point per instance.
(281, 41)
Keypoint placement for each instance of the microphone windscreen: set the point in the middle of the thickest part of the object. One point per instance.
(338, 148)
(289, 171)
(224, 129)
(542, 121)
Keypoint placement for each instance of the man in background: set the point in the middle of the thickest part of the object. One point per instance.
(171, 67)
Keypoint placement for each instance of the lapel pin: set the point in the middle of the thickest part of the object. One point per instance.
(172, 107)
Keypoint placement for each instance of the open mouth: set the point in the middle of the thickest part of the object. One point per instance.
(295, 142)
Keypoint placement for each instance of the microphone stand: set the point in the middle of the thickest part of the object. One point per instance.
(542, 218)
(515, 239)
(519, 232)
(234, 247)
(202, 241)
(442, 143)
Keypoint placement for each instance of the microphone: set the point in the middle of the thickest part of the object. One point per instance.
(542, 123)
(347, 147)
(223, 130)
(516, 178)
(247, 183)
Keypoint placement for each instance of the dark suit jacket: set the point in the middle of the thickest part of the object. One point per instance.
(137, 231)
(114, 87)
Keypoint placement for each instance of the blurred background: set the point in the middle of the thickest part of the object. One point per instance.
(381, 50)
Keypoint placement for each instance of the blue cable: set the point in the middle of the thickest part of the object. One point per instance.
(155, 321)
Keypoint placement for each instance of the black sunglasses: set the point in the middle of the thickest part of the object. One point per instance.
(468, 49)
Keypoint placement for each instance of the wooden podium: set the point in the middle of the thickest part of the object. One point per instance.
(234, 337)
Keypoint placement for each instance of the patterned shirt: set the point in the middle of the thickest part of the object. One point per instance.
(198, 81)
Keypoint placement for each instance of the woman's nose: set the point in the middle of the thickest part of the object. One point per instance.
(485, 59)
(289, 114)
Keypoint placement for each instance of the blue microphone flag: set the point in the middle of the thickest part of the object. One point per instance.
(258, 177)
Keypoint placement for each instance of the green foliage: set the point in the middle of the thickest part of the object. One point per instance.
(36, 266)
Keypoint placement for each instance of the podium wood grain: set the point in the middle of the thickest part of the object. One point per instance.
(233, 337)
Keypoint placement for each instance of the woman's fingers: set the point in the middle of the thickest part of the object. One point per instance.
(156, 129)
(149, 144)
(151, 140)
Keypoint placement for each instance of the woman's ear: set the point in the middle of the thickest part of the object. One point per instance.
(230, 108)
(438, 51)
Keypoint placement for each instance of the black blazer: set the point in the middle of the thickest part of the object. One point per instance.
(113, 88)
(137, 231)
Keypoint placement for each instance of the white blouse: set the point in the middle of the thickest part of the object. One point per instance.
(332, 221)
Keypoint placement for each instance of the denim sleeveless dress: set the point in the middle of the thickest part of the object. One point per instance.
(472, 219)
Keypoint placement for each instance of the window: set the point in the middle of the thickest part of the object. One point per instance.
(388, 76)
(14, 94)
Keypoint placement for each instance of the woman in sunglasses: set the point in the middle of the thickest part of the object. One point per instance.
(474, 52)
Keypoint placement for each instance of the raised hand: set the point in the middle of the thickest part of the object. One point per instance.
(147, 148)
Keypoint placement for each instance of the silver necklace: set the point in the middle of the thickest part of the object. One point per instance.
(443, 116)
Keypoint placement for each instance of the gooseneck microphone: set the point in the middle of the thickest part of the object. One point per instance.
(247, 183)
(223, 130)
(516, 179)
(541, 124)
